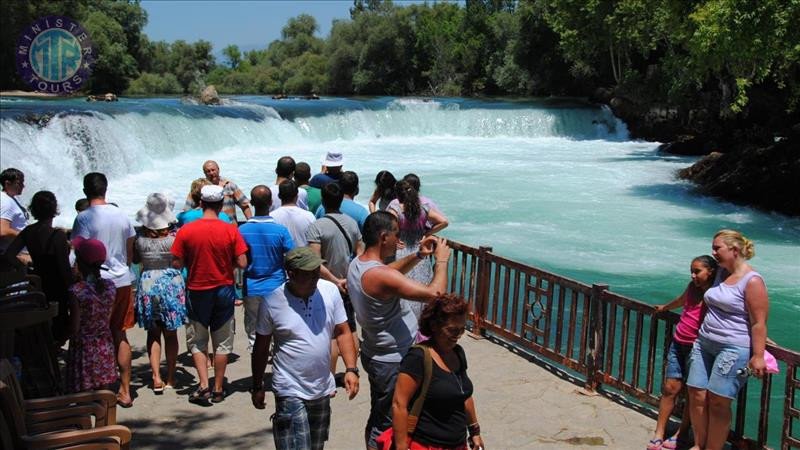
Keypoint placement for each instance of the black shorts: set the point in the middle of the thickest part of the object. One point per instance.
(351, 314)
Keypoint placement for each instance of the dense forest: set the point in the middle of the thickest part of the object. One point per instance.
(710, 75)
(669, 50)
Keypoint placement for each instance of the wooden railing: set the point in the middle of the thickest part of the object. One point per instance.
(611, 340)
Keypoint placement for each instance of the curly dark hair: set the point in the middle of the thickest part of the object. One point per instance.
(44, 205)
(439, 310)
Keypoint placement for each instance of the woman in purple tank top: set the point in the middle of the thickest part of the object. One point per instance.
(732, 340)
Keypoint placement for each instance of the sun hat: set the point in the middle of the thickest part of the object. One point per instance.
(333, 159)
(211, 193)
(90, 251)
(302, 258)
(157, 212)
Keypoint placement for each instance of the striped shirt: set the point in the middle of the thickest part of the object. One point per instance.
(232, 196)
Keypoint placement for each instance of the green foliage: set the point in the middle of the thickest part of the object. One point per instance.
(685, 53)
(233, 55)
(153, 84)
(114, 66)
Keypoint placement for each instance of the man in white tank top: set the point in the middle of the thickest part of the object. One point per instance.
(388, 328)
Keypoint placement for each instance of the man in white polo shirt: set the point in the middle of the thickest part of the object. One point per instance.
(303, 315)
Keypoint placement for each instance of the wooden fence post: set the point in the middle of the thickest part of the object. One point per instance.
(481, 291)
(596, 327)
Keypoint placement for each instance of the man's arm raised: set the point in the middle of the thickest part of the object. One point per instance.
(387, 282)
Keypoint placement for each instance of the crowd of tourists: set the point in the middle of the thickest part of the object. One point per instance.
(311, 266)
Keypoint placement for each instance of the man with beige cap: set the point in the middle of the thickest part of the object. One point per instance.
(302, 315)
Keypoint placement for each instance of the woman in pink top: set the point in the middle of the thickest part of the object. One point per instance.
(703, 270)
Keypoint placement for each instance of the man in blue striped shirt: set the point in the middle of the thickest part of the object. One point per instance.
(267, 242)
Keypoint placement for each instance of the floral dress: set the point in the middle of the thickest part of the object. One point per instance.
(90, 360)
(161, 292)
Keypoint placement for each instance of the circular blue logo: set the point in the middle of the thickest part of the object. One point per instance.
(54, 55)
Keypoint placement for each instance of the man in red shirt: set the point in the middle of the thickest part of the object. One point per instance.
(210, 249)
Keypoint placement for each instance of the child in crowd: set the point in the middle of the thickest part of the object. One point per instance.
(90, 361)
(703, 270)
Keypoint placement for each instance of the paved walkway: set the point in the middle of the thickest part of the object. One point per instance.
(520, 405)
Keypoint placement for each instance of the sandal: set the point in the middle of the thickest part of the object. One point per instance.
(122, 404)
(217, 397)
(158, 389)
(655, 444)
(202, 397)
(670, 443)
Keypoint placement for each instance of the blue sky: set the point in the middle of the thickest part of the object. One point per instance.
(248, 24)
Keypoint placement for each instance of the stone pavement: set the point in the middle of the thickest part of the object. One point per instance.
(520, 405)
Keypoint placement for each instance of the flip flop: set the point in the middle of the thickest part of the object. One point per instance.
(655, 444)
(670, 443)
(158, 390)
(122, 404)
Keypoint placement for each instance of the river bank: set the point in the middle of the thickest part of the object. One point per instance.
(750, 159)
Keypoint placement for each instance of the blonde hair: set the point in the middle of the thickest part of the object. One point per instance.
(735, 239)
(197, 185)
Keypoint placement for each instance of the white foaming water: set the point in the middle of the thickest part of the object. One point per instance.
(557, 187)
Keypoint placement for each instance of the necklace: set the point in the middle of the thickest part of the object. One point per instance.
(458, 382)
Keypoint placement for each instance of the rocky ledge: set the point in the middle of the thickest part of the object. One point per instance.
(767, 178)
(742, 162)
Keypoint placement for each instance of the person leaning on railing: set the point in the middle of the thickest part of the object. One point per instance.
(731, 342)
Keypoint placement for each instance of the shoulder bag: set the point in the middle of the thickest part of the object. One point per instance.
(386, 439)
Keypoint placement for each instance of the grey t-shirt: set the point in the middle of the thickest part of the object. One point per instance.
(335, 249)
(388, 327)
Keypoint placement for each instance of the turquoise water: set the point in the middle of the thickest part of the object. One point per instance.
(557, 184)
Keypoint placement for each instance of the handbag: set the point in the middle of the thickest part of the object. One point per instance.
(386, 439)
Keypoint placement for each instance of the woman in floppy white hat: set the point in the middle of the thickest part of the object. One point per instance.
(160, 293)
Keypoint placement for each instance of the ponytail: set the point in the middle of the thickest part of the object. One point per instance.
(735, 239)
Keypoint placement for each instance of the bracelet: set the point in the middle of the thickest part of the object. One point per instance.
(474, 429)
(442, 261)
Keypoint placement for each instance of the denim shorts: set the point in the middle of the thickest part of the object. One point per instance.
(677, 360)
(714, 366)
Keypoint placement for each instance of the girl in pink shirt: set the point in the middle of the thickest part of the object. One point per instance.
(703, 271)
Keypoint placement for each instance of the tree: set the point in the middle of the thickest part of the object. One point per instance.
(233, 55)
(114, 66)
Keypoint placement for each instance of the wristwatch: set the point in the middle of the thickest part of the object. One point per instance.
(353, 370)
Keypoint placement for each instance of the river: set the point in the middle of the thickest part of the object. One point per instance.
(554, 183)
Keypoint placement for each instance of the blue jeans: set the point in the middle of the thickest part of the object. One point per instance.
(301, 424)
(382, 378)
